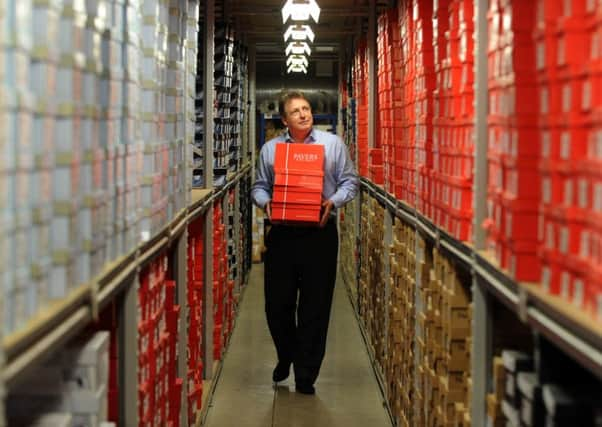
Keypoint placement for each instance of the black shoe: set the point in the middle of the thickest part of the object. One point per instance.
(305, 388)
(281, 372)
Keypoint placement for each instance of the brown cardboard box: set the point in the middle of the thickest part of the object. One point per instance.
(499, 378)
(494, 408)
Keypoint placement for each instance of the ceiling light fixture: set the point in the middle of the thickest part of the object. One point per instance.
(298, 48)
(297, 60)
(297, 69)
(300, 10)
(299, 32)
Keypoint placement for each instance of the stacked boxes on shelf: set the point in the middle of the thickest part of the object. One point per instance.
(360, 89)
(372, 304)
(224, 68)
(246, 232)
(443, 346)
(196, 287)
(513, 150)
(128, 210)
(381, 155)
(258, 234)
(524, 396)
(220, 278)
(232, 254)
(406, 121)
(428, 47)
(453, 122)
(71, 386)
(198, 145)
(16, 117)
(568, 44)
(154, 197)
(349, 254)
(400, 368)
(175, 120)
(194, 57)
(159, 389)
(237, 107)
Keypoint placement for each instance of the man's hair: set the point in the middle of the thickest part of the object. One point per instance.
(286, 97)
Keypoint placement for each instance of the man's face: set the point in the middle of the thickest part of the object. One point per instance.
(298, 115)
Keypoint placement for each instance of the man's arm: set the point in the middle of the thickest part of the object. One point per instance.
(346, 177)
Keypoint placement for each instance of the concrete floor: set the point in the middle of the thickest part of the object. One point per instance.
(347, 392)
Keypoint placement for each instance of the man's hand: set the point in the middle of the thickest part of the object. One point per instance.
(268, 210)
(327, 206)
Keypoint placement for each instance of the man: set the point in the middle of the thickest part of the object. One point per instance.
(300, 259)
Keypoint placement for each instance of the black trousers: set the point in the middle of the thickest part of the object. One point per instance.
(300, 261)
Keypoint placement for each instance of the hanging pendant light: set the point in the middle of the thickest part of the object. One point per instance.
(299, 32)
(298, 48)
(300, 10)
(297, 60)
(297, 69)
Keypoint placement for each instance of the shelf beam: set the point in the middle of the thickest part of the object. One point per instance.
(481, 109)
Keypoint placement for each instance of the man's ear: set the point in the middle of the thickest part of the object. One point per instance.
(284, 121)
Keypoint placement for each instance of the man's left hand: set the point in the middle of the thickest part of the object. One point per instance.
(327, 206)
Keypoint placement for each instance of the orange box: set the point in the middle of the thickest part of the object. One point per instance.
(295, 212)
(284, 194)
(299, 180)
(299, 156)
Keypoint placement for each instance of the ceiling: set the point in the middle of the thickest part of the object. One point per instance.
(260, 23)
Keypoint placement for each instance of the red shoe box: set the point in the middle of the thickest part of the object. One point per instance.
(298, 157)
(300, 179)
(574, 39)
(521, 179)
(520, 219)
(283, 194)
(522, 261)
(295, 212)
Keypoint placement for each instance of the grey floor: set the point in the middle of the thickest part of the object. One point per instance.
(347, 393)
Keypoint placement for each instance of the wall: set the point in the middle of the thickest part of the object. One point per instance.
(272, 79)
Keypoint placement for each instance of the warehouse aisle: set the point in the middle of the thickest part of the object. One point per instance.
(347, 393)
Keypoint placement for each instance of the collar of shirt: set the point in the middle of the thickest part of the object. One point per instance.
(310, 138)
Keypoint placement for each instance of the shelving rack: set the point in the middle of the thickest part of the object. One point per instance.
(182, 59)
(548, 318)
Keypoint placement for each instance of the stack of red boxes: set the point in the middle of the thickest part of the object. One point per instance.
(298, 182)
(229, 307)
(382, 155)
(453, 123)
(425, 83)
(220, 277)
(360, 78)
(514, 182)
(159, 389)
(568, 40)
(405, 131)
(431, 158)
(196, 280)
